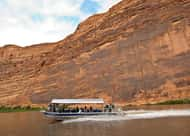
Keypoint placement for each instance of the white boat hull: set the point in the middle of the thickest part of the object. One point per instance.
(62, 115)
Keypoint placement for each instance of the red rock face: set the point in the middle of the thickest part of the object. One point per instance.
(137, 52)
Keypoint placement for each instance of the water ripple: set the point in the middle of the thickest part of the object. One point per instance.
(133, 114)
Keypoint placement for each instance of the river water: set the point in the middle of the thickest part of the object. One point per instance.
(146, 121)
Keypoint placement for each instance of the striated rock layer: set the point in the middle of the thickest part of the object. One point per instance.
(138, 52)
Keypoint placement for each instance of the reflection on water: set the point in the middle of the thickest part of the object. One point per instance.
(135, 123)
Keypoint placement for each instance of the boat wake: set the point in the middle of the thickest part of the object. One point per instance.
(131, 115)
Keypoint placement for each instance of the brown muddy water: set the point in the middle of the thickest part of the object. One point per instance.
(146, 121)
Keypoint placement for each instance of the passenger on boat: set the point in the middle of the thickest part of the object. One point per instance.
(91, 109)
(51, 108)
(64, 108)
(108, 108)
(57, 109)
(77, 109)
(85, 109)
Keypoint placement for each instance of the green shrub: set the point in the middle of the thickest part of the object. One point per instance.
(18, 108)
(170, 102)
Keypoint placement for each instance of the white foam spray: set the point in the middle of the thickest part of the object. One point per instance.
(133, 114)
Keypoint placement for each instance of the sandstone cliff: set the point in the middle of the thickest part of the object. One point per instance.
(137, 52)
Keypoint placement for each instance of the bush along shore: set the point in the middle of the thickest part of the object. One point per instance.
(19, 108)
(172, 102)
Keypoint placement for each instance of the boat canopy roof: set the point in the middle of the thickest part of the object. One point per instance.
(77, 101)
